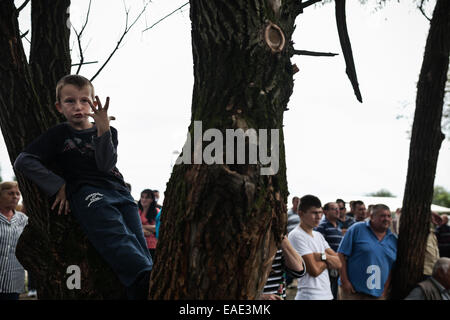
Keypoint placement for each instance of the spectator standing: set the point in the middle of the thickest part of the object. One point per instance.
(342, 208)
(156, 194)
(12, 223)
(31, 287)
(351, 213)
(158, 223)
(345, 221)
(332, 233)
(148, 212)
(432, 248)
(293, 221)
(369, 213)
(396, 221)
(286, 260)
(293, 217)
(359, 212)
(443, 237)
(315, 251)
(437, 287)
(368, 252)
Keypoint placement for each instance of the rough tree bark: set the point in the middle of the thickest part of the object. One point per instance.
(426, 141)
(50, 243)
(221, 223)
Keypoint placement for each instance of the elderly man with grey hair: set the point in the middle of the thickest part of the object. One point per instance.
(437, 287)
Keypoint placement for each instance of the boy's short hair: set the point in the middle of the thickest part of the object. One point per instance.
(309, 201)
(73, 79)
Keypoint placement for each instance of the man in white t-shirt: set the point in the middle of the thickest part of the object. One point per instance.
(315, 251)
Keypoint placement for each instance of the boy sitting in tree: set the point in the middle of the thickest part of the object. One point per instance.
(90, 186)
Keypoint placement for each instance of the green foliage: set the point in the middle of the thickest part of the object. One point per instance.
(381, 193)
(441, 197)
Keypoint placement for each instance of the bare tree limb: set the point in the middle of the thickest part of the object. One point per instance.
(126, 30)
(23, 5)
(168, 15)
(423, 11)
(309, 3)
(90, 62)
(24, 35)
(314, 53)
(79, 35)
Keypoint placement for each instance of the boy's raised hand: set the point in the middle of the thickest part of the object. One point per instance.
(100, 115)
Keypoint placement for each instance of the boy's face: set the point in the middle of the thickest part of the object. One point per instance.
(74, 105)
(311, 217)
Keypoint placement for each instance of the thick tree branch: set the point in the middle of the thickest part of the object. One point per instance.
(426, 141)
(50, 50)
(309, 3)
(347, 47)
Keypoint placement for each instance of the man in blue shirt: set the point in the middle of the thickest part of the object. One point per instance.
(332, 233)
(368, 252)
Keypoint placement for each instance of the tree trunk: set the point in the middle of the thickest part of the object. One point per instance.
(50, 243)
(426, 141)
(221, 223)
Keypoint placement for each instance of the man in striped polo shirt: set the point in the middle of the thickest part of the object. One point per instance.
(286, 261)
(332, 233)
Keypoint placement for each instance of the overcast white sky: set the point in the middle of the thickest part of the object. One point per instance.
(335, 146)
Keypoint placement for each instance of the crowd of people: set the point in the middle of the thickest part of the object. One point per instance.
(350, 255)
(332, 254)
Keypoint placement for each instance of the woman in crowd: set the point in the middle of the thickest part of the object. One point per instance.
(148, 212)
(12, 223)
